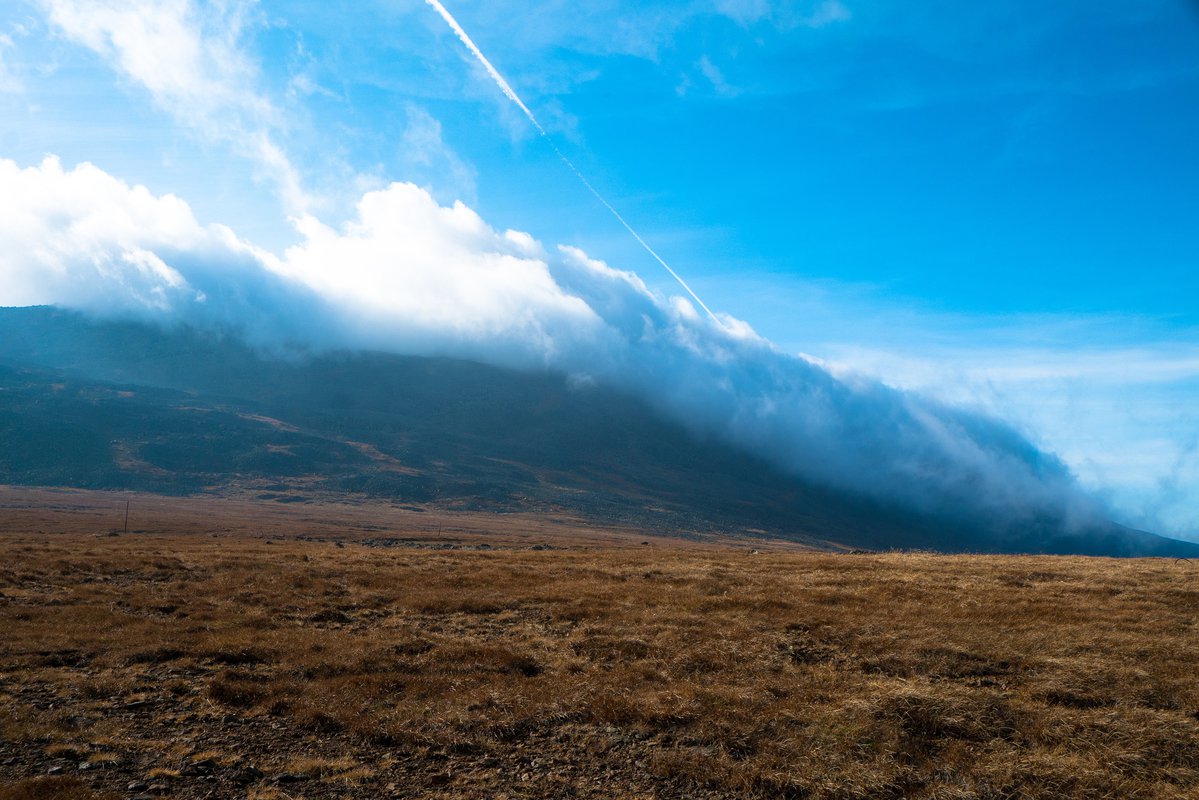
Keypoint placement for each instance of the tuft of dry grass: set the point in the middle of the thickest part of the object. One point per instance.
(51, 788)
(226, 666)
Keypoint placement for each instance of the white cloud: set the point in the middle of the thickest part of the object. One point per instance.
(84, 239)
(412, 269)
(411, 276)
(189, 59)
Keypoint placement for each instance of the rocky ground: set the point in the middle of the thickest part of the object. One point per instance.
(224, 650)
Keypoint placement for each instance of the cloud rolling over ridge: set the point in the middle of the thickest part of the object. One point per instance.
(410, 276)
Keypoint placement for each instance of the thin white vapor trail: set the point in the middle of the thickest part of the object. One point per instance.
(492, 71)
(511, 94)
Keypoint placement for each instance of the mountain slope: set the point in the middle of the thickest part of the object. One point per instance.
(124, 405)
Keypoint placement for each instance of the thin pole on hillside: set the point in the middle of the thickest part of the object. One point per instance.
(126, 516)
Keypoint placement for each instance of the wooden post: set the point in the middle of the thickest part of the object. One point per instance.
(126, 516)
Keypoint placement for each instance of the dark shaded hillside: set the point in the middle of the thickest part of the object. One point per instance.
(123, 405)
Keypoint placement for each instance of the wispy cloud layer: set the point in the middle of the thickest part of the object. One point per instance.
(1121, 415)
(786, 15)
(188, 57)
(428, 160)
(8, 80)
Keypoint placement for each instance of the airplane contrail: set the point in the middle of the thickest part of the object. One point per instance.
(511, 94)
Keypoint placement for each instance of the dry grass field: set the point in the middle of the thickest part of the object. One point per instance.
(224, 649)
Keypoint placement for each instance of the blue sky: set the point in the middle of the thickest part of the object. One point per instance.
(993, 203)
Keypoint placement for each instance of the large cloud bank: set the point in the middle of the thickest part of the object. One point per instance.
(410, 276)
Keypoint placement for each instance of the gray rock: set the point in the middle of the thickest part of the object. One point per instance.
(291, 777)
(204, 767)
(248, 775)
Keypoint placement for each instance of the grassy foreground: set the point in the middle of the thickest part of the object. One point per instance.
(373, 664)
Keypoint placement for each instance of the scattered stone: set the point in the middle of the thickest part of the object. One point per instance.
(158, 788)
(248, 775)
(70, 753)
(137, 787)
(291, 777)
(55, 770)
(204, 767)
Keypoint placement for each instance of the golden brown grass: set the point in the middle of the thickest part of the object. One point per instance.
(230, 667)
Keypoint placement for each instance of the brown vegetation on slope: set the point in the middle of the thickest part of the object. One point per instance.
(192, 665)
